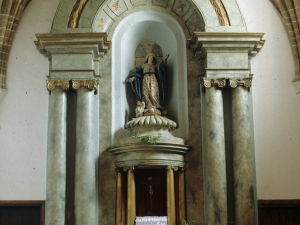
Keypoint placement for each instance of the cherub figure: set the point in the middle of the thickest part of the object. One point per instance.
(152, 111)
(140, 108)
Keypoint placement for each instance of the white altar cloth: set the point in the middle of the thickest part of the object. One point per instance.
(151, 220)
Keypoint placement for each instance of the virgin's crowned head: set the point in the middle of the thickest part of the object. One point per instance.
(149, 56)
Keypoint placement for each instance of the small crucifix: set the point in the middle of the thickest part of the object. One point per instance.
(150, 184)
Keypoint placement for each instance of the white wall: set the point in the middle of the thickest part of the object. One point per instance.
(23, 113)
(276, 105)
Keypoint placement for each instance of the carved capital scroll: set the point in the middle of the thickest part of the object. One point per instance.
(90, 84)
(182, 169)
(233, 82)
(128, 168)
(63, 84)
(210, 82)
(174, 168)
(246, 82)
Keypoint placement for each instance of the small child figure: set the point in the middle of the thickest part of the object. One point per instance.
(140, 108)
(164, 113)
(152, 111)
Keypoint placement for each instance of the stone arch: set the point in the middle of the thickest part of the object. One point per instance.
(185, 13)
(211, 11)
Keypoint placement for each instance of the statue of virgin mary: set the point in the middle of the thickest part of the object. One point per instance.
(149, 82)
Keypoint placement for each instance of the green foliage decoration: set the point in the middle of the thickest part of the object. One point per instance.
(188, 223)
(150, 139)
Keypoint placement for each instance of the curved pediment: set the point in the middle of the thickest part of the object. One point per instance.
(193, 15)
(183, 11)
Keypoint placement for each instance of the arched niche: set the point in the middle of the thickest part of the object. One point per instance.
(167, 33)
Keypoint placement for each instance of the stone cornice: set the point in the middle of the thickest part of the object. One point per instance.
(149, 155)
(290, 13)
(203, 42)
(73, 43)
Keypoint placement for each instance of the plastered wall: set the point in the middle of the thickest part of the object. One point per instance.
(276, 106)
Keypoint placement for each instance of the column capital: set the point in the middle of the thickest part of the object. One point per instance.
(182, 169)
(174, 168)
(233, 82)
(216, 82)
(118, 169)
(62, 84)
(128, 168)
(245, 81)
(90, 84)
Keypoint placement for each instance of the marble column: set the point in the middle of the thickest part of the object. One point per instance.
(243, 157)
(182, 205)
(56, 153)
(131, 196)
(171, 213)
(214, 156)
(85, 167)
(119, 197)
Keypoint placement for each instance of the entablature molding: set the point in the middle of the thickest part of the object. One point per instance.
(203, 43)
(142, 155)
(73, 43)
(138, 167)
(73, 55)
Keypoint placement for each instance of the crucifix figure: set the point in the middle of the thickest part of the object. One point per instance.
(150, 184)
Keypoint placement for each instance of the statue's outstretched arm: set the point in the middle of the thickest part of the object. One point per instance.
(130, 79)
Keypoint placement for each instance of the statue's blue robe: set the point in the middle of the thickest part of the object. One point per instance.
(161, 77)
